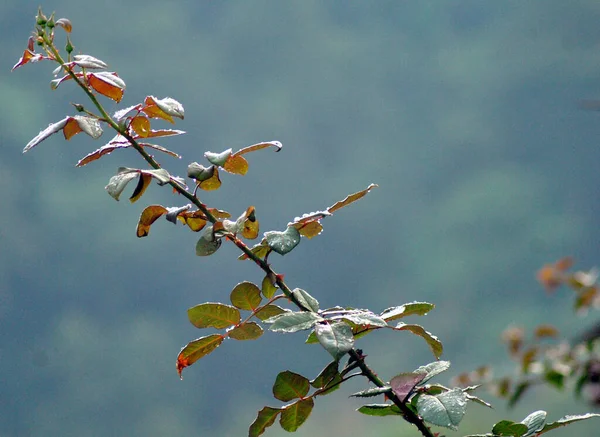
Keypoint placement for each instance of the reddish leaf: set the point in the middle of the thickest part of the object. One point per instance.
(350, 199)
(160, 148)
(108, 84)
(50, 130)
(259, 146)
(97, 154)
(403, 384)
(79, 123)
(164, 133)
(197, 349)
(65, 23)
(148, 217)
(28, 56)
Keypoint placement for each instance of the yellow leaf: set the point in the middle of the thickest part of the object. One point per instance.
(212, 183)
(236, 164)
(71, 128)
(350, 199)
(149, 216)
(143, 184)
(310, 229)
(141, 125)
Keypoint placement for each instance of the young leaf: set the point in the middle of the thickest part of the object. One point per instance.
(269, 311)
(350, 199)
(380, 410)
(283, 242)
(306, 299)
(28, 56)
(208, 243)
(215, 315)
(294, 415)
(212, 183)
(97, 154)
(363, 318)
(266, 417)
(196, 220)
(404, 383)
(197, 349)
(434, 344)
(289, 385)
(446, 409)
(149, 215)
(161, 133)
(50, 130)
(246, 331)
(408, 309)
(108, 84)
(371, 392)
(246, 296)
(567, 420)
(335, 337)
(293, 321)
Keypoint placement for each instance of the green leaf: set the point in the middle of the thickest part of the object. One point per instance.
(306, 299)
(269, 311)
(446, 409)
(370, 392)
(289, 385)
(508, 428)
(207, 243)
(408, 309)
(283, 242)
(161, 175)
(246, 331)
(555, 378)
(326, 375)
(268, 288)
(363, 318)
(312, 338)
(294, 415)
(567, 420)
(404, 383)
(215, 315)
(246, 296)
(266, 417)
(518, 394)
(434, 344)
(432, 369)
(199, 172)
(197, 349)
(380, 410)
(218, 159)
(535, 422)
(293, 321)
(335, 337)
(331, 386)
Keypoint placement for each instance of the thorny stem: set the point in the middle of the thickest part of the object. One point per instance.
(409, 415)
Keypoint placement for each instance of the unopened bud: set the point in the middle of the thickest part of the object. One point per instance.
(41, 19)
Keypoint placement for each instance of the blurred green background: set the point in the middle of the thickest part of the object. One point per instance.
(465, 113)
